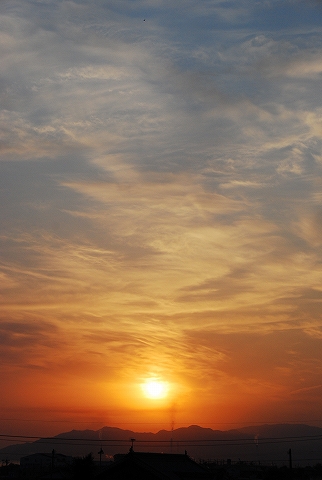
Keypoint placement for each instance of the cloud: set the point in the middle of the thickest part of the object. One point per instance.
(160, 197)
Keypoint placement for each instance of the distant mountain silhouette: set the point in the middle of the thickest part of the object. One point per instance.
(268, 444)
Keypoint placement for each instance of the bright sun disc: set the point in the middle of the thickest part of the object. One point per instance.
(155, 389)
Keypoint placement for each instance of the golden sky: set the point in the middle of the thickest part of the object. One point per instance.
(161, 215)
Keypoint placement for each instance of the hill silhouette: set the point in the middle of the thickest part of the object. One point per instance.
(268, 444)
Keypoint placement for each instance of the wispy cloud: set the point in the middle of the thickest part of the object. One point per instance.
(161, 199)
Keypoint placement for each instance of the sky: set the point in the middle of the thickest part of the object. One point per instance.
(161, 214)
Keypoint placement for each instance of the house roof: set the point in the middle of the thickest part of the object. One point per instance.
(34, 457)
(163, 466)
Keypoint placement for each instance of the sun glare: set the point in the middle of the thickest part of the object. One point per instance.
(155, 389)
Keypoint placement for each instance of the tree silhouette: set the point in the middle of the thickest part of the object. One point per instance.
(84, 467)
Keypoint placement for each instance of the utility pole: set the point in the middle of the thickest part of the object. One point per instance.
(290, 460)
(52, 461)
(132, 441)
(171, 442)
(100, 454)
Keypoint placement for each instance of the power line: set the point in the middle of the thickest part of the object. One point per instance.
(262, 422)
(155, 442)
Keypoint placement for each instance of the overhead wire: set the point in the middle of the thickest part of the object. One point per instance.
(214, 442)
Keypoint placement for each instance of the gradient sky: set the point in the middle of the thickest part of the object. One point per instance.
(161, 213)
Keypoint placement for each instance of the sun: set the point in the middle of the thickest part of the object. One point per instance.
(155, 389)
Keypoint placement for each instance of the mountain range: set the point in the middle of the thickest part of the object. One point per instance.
(267, 444)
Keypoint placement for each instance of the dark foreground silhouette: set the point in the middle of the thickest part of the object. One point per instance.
(262, 445)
